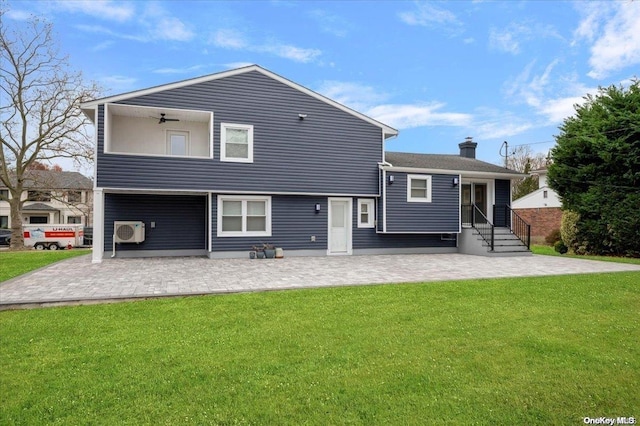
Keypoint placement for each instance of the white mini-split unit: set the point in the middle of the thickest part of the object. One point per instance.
(128, 231)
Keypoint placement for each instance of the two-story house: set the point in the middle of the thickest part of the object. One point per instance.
(51, 197)
(216, 164)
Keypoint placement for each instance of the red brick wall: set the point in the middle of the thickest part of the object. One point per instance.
(542, 220)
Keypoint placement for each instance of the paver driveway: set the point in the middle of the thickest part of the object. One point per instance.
(77, 279)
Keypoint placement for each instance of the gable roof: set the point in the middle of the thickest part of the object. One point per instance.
(50, 179)
(88, 107)
(449, 163)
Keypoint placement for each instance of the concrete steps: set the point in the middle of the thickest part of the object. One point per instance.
(505, 244)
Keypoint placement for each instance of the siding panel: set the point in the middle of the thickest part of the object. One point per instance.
(503, 198)
(330, 151)
(181, 222)
(440, 215)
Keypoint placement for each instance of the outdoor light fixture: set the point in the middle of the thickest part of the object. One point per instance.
(317, 207)
(456, 181)
(302, 116)
(391, 179)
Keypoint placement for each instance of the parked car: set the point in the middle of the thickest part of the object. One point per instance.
(5, 237)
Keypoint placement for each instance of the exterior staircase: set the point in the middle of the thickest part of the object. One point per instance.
(505, 243)
(483, 238)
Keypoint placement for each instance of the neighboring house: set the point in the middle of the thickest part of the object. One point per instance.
(540, 208)
(217, 164)
(52, 197)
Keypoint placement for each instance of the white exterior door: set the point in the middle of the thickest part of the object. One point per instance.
(340, 212)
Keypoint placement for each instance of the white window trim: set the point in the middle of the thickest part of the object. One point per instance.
(371, 211)
(244, 232)
(223, 145)
(187, 137)
(411, 199)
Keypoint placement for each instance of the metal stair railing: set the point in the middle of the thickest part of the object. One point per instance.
(519, 227)
(480, 223)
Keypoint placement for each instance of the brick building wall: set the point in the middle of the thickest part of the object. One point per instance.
(542, 220)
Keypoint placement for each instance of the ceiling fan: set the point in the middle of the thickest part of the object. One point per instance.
(164, 119)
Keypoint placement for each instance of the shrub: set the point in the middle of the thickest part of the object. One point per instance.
(560, 247)
(569, 229)
(553, 237)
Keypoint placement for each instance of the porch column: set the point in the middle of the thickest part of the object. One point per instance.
(98, 225)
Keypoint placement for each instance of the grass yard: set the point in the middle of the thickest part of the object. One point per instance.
(15, 263)
(545, 350)
(549, 251)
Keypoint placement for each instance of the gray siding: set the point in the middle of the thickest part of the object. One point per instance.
(440, 215)
(503, 198)
(330, 152)
(181, 222)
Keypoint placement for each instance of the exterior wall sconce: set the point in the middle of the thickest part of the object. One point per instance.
(456, 181)
(391, 179)
(317, 208)
(302, 116)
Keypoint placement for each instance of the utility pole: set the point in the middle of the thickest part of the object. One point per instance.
(505, 147)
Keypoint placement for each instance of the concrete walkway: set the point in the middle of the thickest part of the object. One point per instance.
(78, 280)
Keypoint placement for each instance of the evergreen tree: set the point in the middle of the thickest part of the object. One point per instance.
(596, 171)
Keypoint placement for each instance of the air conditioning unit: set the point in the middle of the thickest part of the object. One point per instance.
(128, 231)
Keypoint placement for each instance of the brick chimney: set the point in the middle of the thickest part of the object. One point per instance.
(468, 148)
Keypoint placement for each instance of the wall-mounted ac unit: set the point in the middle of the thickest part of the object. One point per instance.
(128, 231)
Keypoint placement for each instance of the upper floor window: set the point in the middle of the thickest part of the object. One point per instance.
(39, 195)
(545, 194)
(74, 196)
(177, 142)
(419, 188)
(74, 219)
(366, 213)
(236, 142)
(4, 194)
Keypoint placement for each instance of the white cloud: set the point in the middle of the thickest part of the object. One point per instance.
(373, 103)
(550, 97)
(297, 54)
(329, 23)
(104, 9)
(510, 39)
(18, 15)
(228, 39)
(170, 28)
(496, 124)
(232, 39)
(618, 46)
(117, 83)
(186, 70)
(429, 15)
(408, 116)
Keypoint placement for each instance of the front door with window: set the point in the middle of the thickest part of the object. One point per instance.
(473, 193)
(339, 226)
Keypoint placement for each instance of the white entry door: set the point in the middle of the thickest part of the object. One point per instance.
(340, 225)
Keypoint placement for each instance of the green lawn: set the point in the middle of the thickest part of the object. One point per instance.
(545, 350)
(14, 263)
(548, 250)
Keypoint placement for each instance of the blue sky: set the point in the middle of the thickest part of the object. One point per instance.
(436, 71)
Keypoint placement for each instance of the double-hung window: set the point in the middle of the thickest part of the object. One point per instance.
(419, 188)
(366, 210)
(244, 216)
(236, 142)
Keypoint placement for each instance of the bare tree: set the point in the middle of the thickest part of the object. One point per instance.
(522, 159)
(40, 114)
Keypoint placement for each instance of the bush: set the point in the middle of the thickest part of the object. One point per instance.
(553, 237)
(569, 229)
(560, 247)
